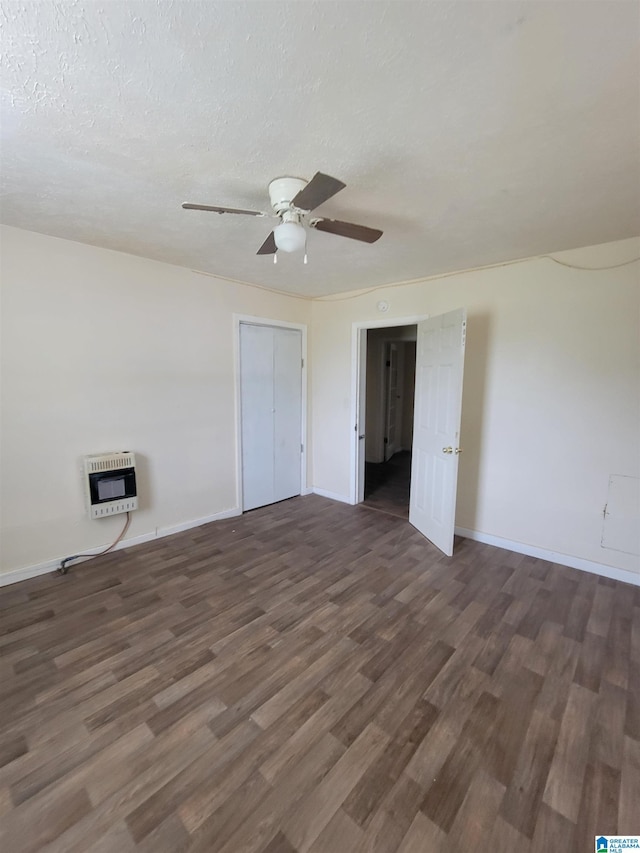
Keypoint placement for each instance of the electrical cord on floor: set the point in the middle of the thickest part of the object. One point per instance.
(63, 568)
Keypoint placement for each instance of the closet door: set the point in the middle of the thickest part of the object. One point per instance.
(271, 402)
(256, 384)
(287, 404)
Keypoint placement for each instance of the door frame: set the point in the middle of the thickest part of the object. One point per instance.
(238, 320)
(358, 346)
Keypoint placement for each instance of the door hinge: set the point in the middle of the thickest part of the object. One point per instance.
(302, 362)
(388, 364)
(386, 441)
(302, 448)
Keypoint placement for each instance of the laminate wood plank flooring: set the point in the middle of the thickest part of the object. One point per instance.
(317, 677)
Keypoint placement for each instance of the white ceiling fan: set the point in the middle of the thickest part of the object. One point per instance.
(292, 200)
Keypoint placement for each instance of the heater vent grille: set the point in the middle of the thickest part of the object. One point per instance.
(109, 462)
(114, 507)
(110, 483)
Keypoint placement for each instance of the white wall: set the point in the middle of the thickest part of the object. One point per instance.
(551, 404)
(106, 351)
(550, 410)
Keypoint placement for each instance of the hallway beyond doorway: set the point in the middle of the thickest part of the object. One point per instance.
(387, 485)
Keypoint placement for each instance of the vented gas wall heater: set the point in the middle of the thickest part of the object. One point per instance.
(110, 482)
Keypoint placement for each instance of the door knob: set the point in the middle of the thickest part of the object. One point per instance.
(458, 450)
(447, 449)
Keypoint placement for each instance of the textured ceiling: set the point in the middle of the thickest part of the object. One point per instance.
(470, 132)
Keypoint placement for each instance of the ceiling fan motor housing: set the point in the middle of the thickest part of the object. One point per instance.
(283, 190)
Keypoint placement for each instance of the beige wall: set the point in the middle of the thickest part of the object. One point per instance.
(105, 351)
(550, 409)
(551, 397)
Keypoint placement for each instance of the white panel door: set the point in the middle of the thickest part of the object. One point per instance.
(256, 401)
(287, 404)
(361, 412)
(271, 411)
(436, 427)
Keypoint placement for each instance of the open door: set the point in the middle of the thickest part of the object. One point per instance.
(361, 413)
(436, 426)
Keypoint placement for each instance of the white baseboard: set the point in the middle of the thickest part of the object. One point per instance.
(331, 495)
(27, 572)
(16, 575)
(307, 491)
(188, 525)
(551, 556)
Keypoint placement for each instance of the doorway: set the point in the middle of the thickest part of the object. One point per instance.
(390, 384)
(435, 446)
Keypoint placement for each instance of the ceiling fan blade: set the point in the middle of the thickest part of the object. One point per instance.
(347, 229)
(319, 189)
(268, 247)
(221, 209)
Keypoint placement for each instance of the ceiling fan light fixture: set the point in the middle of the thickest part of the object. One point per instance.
(289, 237)
(292, 199)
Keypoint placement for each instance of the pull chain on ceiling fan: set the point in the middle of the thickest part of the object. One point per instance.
(292, 200)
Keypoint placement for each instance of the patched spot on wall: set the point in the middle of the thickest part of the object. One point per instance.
(621, 526)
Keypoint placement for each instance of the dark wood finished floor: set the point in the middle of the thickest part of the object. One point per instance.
(387, 485)
(317, 677)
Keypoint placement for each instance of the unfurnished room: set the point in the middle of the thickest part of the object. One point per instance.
(320, 426)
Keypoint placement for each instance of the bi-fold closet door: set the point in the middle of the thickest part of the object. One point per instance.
(271, 413)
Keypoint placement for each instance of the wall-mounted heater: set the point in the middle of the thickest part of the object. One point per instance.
(110, 482)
